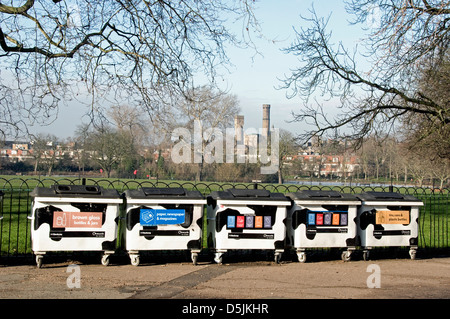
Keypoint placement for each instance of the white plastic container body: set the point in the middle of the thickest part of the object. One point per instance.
(388, 234)
(46, 238)
(223, 238)
(322, 234)
(165, 237)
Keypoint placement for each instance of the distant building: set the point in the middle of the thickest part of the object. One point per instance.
(251, 141)
(328, 165)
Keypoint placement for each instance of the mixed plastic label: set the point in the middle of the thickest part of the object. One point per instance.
(249, 222)
(327, 218)
(154, 217)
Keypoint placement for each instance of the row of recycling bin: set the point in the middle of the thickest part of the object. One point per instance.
(86, 218)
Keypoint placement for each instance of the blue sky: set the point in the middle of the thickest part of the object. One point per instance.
(255, 82)
(254, 78)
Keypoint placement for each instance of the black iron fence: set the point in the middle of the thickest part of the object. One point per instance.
(15, 206)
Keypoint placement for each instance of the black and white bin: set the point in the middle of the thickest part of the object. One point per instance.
(74, 218)
(322, 219)
(163, 219)
(241, 219)
(388, 219)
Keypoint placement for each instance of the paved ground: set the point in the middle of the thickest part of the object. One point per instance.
(261, 279)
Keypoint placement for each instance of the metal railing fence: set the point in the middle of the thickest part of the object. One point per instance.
(15, 206)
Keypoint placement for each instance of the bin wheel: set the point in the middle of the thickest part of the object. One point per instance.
(194, 257)
(301, 257)
(135, 260)
(218, 258)
(366, 255)
(277, 258)
(105, 260)
(412, 253)
(39, 259)
(346, 255)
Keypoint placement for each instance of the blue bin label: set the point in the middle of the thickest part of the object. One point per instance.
(311, 219)
(231, 221)
(154, 217)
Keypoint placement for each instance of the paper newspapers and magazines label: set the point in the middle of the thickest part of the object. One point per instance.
(154, 217)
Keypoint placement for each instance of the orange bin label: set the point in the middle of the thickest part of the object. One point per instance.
(77, 219)
(392, 217)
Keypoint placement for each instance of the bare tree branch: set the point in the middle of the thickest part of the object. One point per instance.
(409, 36)
(103, 53)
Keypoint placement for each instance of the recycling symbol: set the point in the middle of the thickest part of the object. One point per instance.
(147, 216)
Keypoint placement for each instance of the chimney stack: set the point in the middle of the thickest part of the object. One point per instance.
(239, 128)
(266, 120)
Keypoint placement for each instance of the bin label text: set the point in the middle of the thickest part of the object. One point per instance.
(392, 217)
(327, 218)
(77, 220)
(154, 217)
(249, 222)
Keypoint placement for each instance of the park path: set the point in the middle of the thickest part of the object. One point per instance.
(332, 279)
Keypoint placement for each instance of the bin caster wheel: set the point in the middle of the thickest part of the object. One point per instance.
(105, 260)
(218, 259)
(346, 255)
(301, 257)
(277, 258)
(365, 255)
(194, 257)
(39, 261)
(412, 254)
(135, 260)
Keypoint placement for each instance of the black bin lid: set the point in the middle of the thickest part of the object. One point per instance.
(326, 195)
(237, 192)
(78, 191)
(386, 197)
(152, 191)
(163, 193)
(247, 194)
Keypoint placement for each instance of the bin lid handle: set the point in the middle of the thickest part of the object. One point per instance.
(322, 194)
(386, 195)
(152, 191)
(237, 192)
(77, 189)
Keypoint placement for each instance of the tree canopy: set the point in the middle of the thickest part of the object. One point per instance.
(409, 40)
(94, 52)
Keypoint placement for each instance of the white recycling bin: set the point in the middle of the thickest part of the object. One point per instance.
(388, 219)
(246, 219)
(74, 218)
(163, 219)
(322, 219)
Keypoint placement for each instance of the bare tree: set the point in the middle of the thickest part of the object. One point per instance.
(423, 131)
(408, 33)
(287, 147)
(45, 151)
(109, 52)
(207, 113)
(106, 145)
